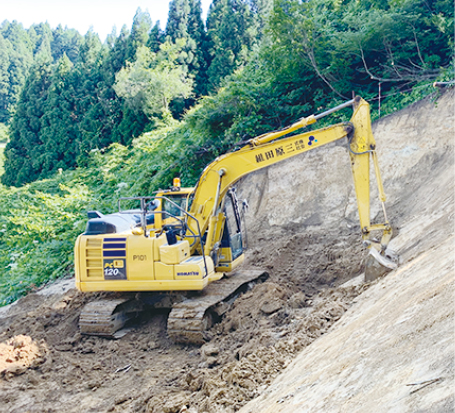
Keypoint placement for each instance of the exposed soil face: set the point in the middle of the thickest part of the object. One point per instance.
(394, 348)
(304, 231)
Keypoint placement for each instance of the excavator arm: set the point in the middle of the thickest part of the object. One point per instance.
(362, 148)
(274, 147)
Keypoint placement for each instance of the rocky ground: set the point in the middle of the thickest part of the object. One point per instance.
(313, 337)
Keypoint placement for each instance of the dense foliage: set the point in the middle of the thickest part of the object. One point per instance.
(89, 122)
(74, 101)
(20, 49)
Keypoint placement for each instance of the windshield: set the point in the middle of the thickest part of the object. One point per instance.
(167, 206)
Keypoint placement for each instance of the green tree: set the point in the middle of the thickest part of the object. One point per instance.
(142, 24)
(118, 56)
(359, 44)
(197, 48)
(37, 32)
(19, 50)
(156, 38)
(231, 33)
(153, 80)
(89, 51)
(43, 49)
(177, 23)
(119, 123)
(185, 22)
(5, 51)
(58, 131)
(23, 151)
(260, 10)
(4, 136)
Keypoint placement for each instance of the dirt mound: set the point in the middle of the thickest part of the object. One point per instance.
(303, 228)
(20, 353)
(260, 336)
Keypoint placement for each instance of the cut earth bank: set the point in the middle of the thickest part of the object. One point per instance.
(394, 350)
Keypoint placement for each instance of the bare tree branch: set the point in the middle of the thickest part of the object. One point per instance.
(417, 45)
(310, 54)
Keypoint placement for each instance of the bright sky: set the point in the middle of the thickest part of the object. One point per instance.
(102, 15)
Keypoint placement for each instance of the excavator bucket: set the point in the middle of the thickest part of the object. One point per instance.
(377, 265)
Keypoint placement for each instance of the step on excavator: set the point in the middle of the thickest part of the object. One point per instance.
(182, 248)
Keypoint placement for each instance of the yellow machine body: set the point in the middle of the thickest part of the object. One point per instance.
(129, 262)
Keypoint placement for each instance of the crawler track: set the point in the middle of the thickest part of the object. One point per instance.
(189, 320)
(105, 317)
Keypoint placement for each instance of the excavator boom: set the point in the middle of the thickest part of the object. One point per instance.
(271, 148)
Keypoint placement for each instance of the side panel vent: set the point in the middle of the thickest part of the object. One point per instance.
(93, 259)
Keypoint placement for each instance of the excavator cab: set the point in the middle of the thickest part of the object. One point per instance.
(172, 207)
(232, 242)
(171, 217)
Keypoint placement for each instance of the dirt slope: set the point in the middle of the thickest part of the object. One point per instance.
(302, 228)
(394, 349)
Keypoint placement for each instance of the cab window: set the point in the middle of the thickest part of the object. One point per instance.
(167, 206)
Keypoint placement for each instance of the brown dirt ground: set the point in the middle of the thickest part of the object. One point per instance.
(145, 372)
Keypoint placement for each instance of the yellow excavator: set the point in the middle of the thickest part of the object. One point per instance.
(182, 247)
